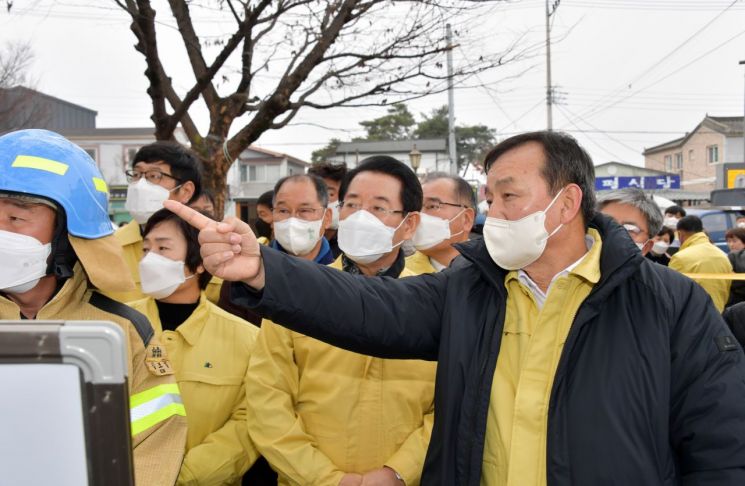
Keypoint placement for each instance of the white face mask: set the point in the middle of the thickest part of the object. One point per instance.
(364, 238)
(741, 224)
(334, 215)
(144, 199)
(640, 245)
(659, 248)
(432, 231)
(23, 260)
(670, 222)
(161, 276)
(297, 236)
(516, 244)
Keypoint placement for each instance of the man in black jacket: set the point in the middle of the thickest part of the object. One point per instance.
(609, 369)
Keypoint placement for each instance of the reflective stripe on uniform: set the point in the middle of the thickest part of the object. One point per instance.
(155, 405)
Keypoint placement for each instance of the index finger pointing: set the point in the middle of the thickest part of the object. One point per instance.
(194, 218)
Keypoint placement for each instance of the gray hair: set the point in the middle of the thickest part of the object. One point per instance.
(463, 190)
(322, 192)
(635, 197)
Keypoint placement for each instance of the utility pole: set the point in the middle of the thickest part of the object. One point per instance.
(451, 106)
(550, 10)
(743, 123)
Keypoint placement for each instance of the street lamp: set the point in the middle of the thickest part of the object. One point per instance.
(415, 157)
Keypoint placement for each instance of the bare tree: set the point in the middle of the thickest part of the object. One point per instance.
(293, 55)
(19, 107)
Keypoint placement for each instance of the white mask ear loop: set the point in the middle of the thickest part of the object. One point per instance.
(549, 207)
(453, 219)
(396, 229)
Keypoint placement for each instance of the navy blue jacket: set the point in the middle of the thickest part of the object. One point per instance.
(649, 390)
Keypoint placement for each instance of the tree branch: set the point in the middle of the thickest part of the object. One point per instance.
(278, 103)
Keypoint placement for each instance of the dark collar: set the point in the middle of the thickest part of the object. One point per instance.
(349, 266)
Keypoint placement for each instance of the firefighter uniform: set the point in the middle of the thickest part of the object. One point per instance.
(157, 414)
(84, 257)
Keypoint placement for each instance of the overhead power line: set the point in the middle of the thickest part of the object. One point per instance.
(655, 65)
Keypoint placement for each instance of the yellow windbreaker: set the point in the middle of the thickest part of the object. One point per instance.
(158, 425)
(532, 343)
(317, 412)
(419, 263)
(698, 255)
(209, 353)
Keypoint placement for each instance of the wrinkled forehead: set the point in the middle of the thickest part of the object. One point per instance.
(442, 189)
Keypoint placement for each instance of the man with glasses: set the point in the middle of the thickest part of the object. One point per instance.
(301, 217)
(323, 415)
(160, 171)
(447, 218)
(636, 212)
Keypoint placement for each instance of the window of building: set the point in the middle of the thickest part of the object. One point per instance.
(92, 152)
(691, 155)
(256, 173)
(259, 172)
(129, 156)
(272, 173)
(679, 161)
(712, 154)
(669, 163)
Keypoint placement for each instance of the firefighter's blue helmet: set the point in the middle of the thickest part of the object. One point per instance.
(45, 164)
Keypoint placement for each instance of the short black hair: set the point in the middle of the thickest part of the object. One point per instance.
(185, 165)
(266, 199)
(675, 210)
(208, 194)
(191, 234)
(322, 192)
(690, 224)
(411, 189)
(326, 170)
(738, 233)
(667, 231)
(566, 163)
(463, 190)
(210, 197)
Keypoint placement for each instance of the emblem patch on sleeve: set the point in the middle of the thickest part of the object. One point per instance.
(727, 343)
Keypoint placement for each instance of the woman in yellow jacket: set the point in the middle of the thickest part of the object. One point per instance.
(208, 348)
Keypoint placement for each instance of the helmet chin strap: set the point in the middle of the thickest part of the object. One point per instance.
(63, 257)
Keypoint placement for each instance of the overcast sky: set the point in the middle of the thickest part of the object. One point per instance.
(629, 73)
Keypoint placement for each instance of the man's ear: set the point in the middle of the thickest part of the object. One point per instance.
(647, 247)
(326, 220)
(410, 225)
(467, 218)
(185, 192)
(571, 203)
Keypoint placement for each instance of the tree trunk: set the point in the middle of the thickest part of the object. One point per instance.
(216, 168)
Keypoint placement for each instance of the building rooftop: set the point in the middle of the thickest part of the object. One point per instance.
(387, 146)
(729, 126)
(134, 132)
